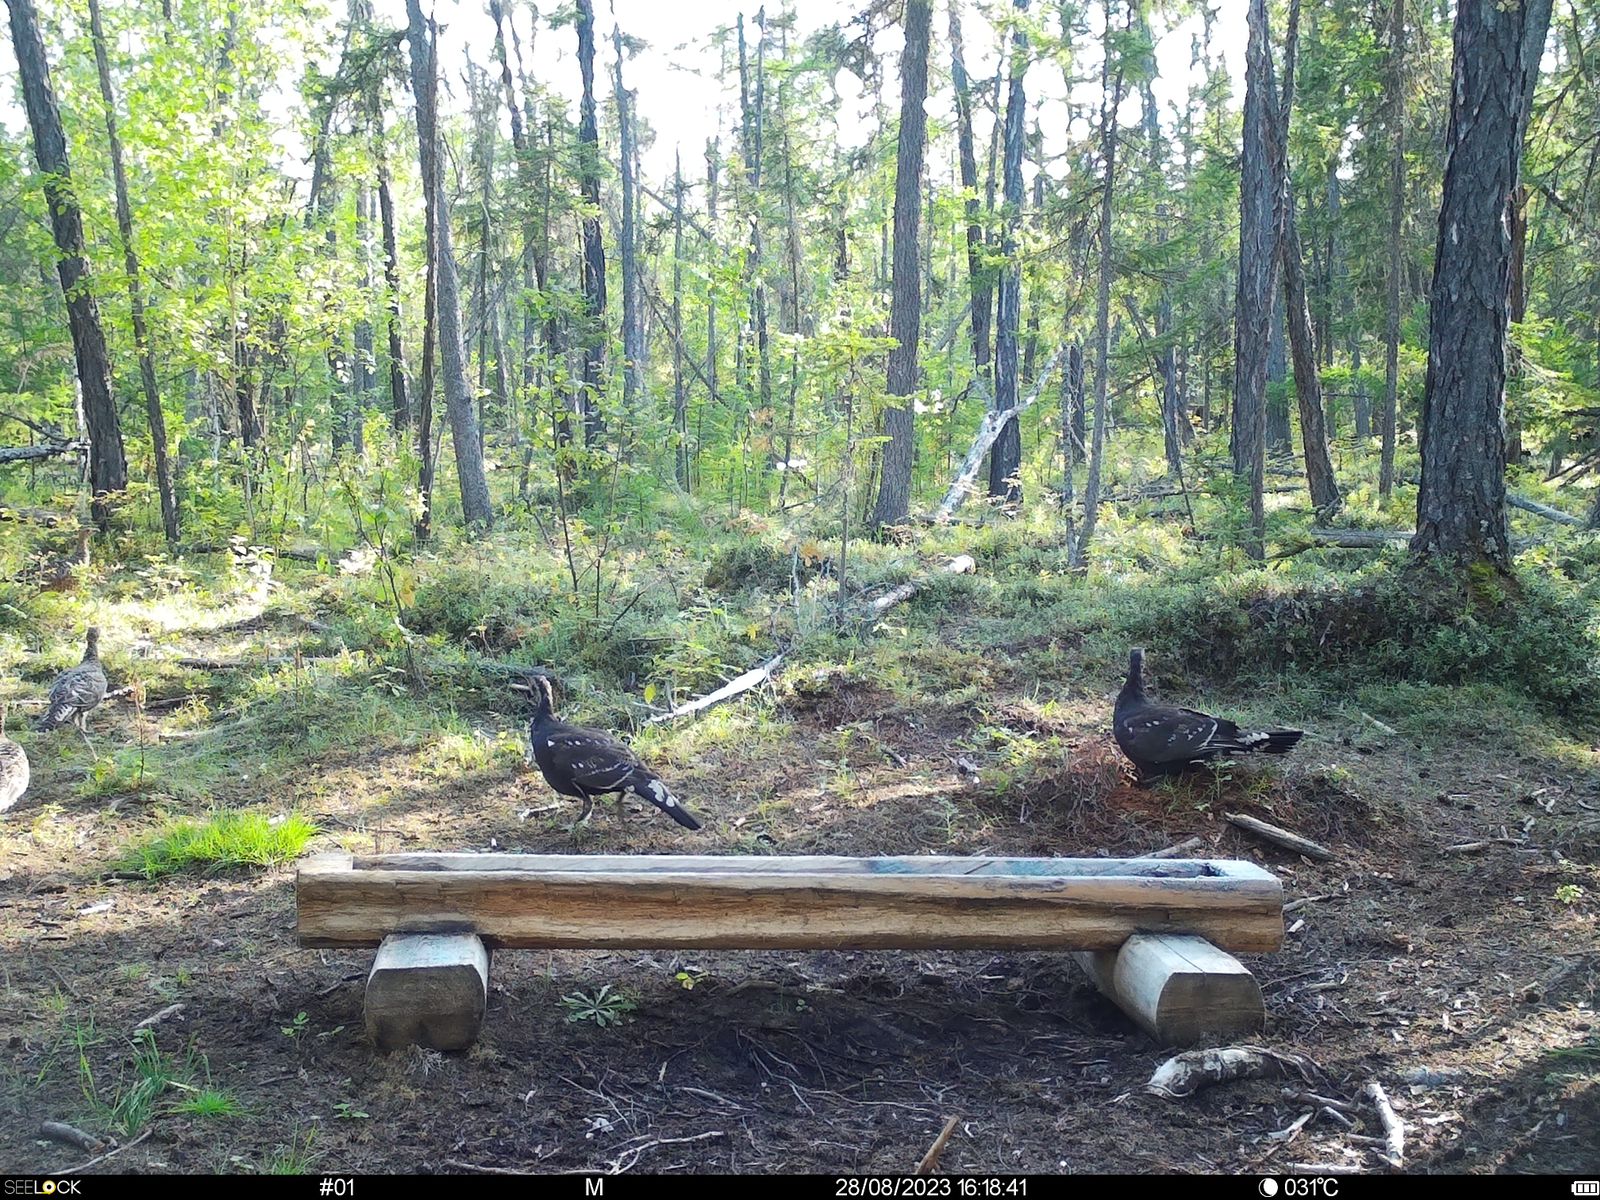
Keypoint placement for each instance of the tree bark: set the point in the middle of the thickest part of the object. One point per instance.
(130, 259)
(1257, 279)
(1278, 435)
(1324, 487)
(1110, 105)
(476, 506)
(633, 347)
(1395, 82)
(1461, 505)
(1005, 460)
(680, 410)
(978, 274)
(108, 466)
(905, 312)
(594, 253)
(399, 391)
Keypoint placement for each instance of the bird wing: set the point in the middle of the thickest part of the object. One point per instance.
(1163, 734)
(82, 687)
(593, 761)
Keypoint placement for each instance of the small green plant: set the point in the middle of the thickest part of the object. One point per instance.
(295, 1158)
(1569, 893)
(208, 1102)
(127, 1106)
(296, 1029)
(345, 1110)
(228, 839)
(605, 1007)
(688, 977)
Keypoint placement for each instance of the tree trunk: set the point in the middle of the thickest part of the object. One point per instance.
(1278, 436)
(905, 312)
(476, 507)
(108, 467)
(1257, 279)
(1111, 103)
(979, 283)
(1071, 447)
(594, 253)
(366, 357)
(399, 391)
(1320, 479)
(130, 259)
(1395, 83)
(1461, 505)
(1005, 460)
(633, 348)
(680, 410)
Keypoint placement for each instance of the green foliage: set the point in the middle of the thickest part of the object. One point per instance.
(227, 839)
(604, 1007)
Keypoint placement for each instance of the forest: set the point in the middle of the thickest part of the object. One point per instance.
(816, 404)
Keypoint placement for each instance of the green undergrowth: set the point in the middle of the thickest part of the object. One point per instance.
(227, 839)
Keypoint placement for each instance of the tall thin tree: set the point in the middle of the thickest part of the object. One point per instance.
(905, 304)
(130, 260)
(594, 251)
(1005, 459)
(1394, 83)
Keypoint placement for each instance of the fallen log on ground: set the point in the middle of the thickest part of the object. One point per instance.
(961, 564)
(1543, 510)
(988, 433)
(1279, 836)
(752, 678)
(11, 454)
(1185, 1074)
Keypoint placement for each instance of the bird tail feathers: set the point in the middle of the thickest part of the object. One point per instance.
(648, 787)
(55, 716)
(1272, 741)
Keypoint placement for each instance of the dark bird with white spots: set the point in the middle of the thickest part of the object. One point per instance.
(1162, 739)
(76, 692)
(585, 763)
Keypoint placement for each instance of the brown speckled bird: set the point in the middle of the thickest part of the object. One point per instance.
(76, 692)
(13, 767)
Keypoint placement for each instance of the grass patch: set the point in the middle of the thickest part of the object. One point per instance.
(229, 839)
(208, 1103)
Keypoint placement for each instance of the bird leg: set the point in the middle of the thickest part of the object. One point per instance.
(81, 724)
(583, 817)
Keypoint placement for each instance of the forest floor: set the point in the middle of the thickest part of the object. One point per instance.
(1465, 982)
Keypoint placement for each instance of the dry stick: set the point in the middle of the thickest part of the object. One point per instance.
(1294, 905)
(930, 1160)
(638, 1151)
(60, 1131)
(1182, 847)
(988, 433)
(1279, 836)
(154, 1019)
(752, 678)
(1394, 1129)
(1379, 725)
(108, 1154)
(962, 564)
(1542, 510)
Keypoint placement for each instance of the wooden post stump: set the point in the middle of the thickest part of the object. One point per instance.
(1180, 989)
(428, 989)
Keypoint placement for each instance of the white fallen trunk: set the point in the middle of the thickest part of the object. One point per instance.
(988, 433)
(737, 686)
(961, 564)
(1187, 1073)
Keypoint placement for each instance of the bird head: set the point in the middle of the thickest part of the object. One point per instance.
(1135, 680)
(91, 643)
(543, 693)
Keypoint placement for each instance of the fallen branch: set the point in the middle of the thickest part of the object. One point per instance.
(11, 454)
(1185, 1074)
(1182, 847)
(1542, 510)
(71, 1135)
(108, 1154)
(154, 1019)
(752, 678)
(1474, 847)
(1279, 836)
(988, 432)
(962, 564)
(930, 1160)
(1394, 1129)
(618, 1166)
(1379, 725)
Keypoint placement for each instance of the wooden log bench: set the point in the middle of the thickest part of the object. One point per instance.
(1153, 934)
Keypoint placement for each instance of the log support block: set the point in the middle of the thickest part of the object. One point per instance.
(428, 989)
(1180, 989)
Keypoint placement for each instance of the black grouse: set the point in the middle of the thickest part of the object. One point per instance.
(585, 763)
(1160, 739)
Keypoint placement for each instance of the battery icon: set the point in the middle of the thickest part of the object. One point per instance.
(1586, 1187)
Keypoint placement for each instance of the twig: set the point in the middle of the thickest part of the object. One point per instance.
(108, 1154)
(752, 678)
(618, 1166)
(1394, 1128)
(1182, 847)
(930, 1160)
(1295, 905)
(1484, 844)
(60, 1131)
(1380, 726)
(481, 1169)
(1279, 836)
(167, 1013)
